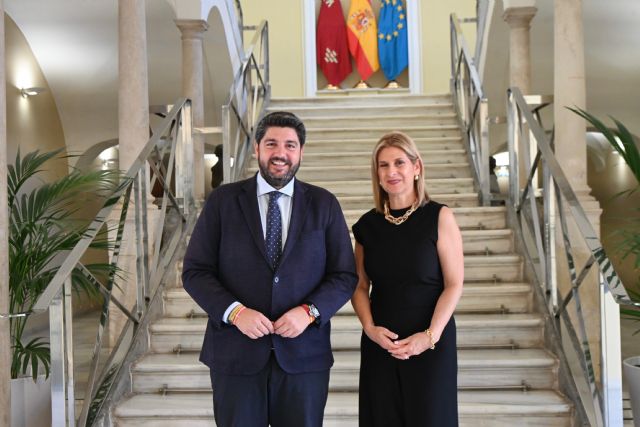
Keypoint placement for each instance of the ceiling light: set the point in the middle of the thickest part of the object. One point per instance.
(31, 91)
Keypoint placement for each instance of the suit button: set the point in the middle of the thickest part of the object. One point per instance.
(276, 280)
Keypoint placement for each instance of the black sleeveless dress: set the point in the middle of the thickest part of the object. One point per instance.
(406, 280)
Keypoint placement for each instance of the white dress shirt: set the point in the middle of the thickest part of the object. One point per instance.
(285, 204)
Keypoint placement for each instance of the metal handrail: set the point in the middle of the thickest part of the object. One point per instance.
(249, 96)
(537, 225)
(172, 138)
(471, 107)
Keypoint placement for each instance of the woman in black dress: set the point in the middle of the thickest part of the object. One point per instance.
(409, 250)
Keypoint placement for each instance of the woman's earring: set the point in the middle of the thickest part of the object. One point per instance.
(415, 178)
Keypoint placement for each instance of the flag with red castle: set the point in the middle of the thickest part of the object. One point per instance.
(332, 52)
(363, 37)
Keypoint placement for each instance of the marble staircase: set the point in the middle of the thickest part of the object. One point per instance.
(506, 377)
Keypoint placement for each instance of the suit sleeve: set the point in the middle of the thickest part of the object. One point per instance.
(340, 277)
(200, 266)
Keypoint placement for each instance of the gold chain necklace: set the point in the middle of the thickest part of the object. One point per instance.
(397, 221)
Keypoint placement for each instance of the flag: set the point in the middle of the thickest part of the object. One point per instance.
(392, 38)
(362, 34)
(332, 52)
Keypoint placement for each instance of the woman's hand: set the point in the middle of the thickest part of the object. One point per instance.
(411, 346)
(382, 336)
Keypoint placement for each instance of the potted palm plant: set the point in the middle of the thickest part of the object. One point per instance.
(44, 224)
(627, 146)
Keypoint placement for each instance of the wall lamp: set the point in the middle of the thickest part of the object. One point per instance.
(31, 91)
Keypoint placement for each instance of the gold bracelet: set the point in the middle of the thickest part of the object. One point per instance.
(430, 335)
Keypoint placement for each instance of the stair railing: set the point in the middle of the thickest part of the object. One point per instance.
(471, 107)
(128, 205)
(249, 96)
(537, 212)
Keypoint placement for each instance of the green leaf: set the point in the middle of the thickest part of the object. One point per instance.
(43, 226)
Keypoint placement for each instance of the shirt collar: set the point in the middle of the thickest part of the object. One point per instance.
(264, 187)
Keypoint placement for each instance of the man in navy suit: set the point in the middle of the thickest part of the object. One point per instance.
(270, 261)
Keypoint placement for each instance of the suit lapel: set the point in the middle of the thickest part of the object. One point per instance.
(301, 201)
(248, 201)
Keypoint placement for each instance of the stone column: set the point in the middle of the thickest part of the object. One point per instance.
(518, 16)
(519, 19)
(570, 91)
(571, 151)
(5, 335)
(133, 133)
(133, 91)
(193, 88)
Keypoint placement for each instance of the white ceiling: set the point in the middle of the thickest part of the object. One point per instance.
(76, 45)
(75, 42)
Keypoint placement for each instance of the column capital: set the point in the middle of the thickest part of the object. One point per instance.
(519, 17)
(192, 28)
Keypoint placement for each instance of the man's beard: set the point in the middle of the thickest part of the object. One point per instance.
(275, 181)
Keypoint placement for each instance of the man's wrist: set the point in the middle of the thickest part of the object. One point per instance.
(312, 312)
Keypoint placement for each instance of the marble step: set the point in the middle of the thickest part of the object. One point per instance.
(314, 144)
(539, 408)
(342, 133)
(397, 109)
(411, 119)
(477, 297)
(520, 330)
(340, 101)
(363, 171)
(364, 203)
(487, 242)
(473, 331)
(362, 187)
(498, 369)
(479, 217)
(363, 157)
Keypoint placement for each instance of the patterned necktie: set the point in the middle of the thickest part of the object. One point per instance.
(273, 239)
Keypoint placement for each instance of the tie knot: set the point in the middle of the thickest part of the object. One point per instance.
(274, 196)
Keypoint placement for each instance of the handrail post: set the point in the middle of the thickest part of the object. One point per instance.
(266, 56)
(141, 275)
(68, 341)
(611, 372)
(514, 185)
(186, 149)
(549, 202)
(483, 117)
(58, 371)
(226, 144)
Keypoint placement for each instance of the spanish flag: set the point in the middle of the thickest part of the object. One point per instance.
(362, 35)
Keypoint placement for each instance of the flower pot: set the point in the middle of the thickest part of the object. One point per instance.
(631, 368)
(30, 402)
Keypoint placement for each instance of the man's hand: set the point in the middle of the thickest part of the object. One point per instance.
(292, 323)
(253, 324)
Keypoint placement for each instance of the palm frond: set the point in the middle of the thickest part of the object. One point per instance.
(32, 355)
(44, 226)
(620, 140)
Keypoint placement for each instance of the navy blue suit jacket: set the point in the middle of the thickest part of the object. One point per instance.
(226, 262)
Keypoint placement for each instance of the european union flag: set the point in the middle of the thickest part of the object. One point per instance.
(392, 38)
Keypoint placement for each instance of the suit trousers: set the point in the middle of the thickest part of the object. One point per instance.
(270, 397)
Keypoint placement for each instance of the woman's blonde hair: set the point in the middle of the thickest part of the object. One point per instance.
(405, 143)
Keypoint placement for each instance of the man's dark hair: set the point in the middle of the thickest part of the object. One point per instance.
(282, 119)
